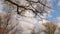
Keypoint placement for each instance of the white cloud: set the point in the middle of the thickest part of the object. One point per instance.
(58, 18)
(57, 21)
(59, 3)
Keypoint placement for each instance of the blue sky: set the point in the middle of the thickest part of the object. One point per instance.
(56, 12)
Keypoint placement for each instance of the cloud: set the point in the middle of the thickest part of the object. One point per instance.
(58, 18)
(59, 3)
(57, 21)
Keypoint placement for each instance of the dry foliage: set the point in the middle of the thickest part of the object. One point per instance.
(51, 27)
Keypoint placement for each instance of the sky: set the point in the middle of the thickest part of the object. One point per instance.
(56, 13)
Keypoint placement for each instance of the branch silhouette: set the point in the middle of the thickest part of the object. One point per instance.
(36, 11)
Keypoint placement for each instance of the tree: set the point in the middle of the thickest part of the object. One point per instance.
(25, 4)
(18, 13)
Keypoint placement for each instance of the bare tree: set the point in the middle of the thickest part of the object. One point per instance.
(41, 5)
(23, 8)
